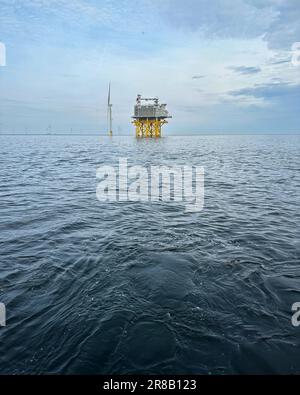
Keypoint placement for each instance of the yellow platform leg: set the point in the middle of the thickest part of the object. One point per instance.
(148, 128)
(157, 128)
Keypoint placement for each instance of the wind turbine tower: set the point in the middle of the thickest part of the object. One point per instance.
(109, 113)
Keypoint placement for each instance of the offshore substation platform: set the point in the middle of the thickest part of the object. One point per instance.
(149, 118)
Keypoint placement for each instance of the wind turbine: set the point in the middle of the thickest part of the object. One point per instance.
(109, 113)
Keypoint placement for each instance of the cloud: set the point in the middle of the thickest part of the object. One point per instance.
(220, 18)
(197, 77)
(280, 61)
(34, 18)
(270, 91)
(277, 21)
(245, 70)
(285, 29)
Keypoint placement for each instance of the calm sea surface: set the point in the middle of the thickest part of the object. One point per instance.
(128, 287)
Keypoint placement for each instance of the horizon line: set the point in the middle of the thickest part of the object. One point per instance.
(165, 135)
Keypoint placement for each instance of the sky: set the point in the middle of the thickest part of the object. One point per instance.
(222, 66)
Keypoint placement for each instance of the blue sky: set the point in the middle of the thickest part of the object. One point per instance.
(223, 66)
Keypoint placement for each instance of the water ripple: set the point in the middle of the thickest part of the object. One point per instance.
(145, 288)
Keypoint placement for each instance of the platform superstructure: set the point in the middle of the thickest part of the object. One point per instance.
(149, 117)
